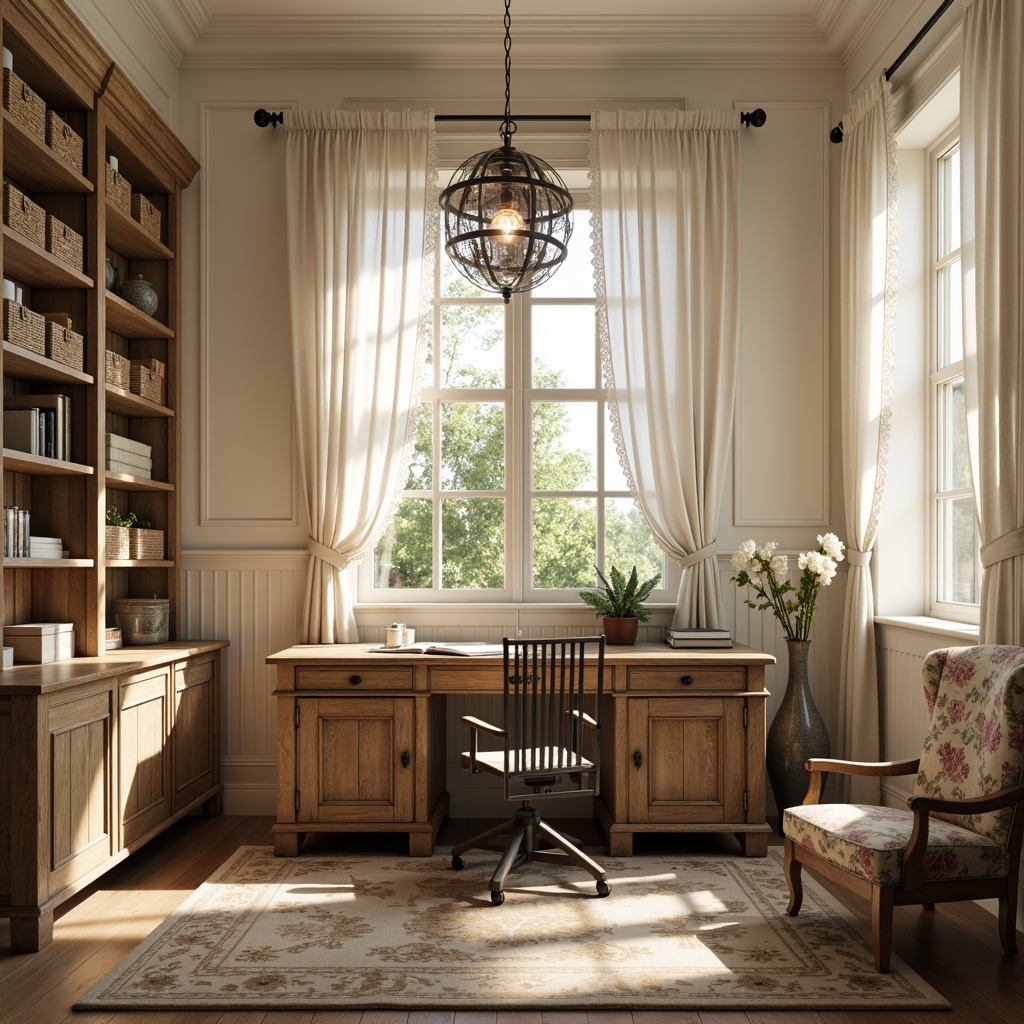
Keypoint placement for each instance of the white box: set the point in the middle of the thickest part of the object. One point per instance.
(38, 643)
(8, 657)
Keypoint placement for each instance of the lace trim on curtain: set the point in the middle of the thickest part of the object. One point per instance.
(601, 296)
(424, 330)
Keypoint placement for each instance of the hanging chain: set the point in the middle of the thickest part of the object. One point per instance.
(508, 126)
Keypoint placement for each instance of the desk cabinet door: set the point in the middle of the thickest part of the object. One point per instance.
(195, 736)
(144, 761)
(687, 760)
(355, 759)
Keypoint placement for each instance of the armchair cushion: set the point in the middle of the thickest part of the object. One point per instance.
(975, 697)
(868, 841)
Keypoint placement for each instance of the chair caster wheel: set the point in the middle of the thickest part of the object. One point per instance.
(497, 898)
(603, 888)
(458, 863)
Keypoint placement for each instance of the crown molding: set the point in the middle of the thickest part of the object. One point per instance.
(196, 39)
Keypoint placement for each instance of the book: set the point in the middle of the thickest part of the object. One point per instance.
(697, 633)
(21, 429)
(128, 445)
(120, 467)
(464, 650)
(127, 458)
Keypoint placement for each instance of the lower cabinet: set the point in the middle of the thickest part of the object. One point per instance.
(94, 764)
(355, 759)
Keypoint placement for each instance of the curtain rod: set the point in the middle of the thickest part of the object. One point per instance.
(836, 135)
(266, 119)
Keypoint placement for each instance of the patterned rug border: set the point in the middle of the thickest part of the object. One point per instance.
(912, 991)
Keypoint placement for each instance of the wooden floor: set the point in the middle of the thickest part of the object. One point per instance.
(955, 949)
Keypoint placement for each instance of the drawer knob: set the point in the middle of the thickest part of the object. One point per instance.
(638, 759)
(686, 680)
(405, 759)
(355, 680)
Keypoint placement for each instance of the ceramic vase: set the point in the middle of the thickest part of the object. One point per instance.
(141, 294)
(797, 732)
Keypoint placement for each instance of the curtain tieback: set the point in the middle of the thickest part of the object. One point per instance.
(859, 558)
(1010, 545)
(708, 551)
(326, 554)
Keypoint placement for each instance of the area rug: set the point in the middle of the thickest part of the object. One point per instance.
(371, 931)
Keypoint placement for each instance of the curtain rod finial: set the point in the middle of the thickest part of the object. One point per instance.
(265, 119)
(754, 118)
(836, 135)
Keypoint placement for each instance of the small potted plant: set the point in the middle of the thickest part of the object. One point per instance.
(619, 603)
(116, 543)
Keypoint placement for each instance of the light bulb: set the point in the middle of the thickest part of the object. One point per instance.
(507, 220)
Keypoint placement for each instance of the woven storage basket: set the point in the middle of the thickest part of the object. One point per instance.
(119, 190)
(145, 382)
(116, 544)
(118, 370)
(28, 109)
(65, 346)
(145, 543)
(24, 327)
(64, 140)
(146, 214)
(24, 216)
(65, 243)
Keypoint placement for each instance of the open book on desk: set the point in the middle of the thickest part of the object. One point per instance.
(469, 649)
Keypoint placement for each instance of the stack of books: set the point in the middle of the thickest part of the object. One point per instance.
(46, 547)
(38, 425)
(127, 456)
(697, 636)
(17, 535)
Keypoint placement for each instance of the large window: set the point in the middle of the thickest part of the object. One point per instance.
(514, 489)
(956, 587)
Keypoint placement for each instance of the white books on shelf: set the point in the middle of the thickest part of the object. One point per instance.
(464, 650)
(128, 445)
(46, 547)
(127, 458)
(122, 467)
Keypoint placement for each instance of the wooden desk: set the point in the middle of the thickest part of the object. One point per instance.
(361, 742)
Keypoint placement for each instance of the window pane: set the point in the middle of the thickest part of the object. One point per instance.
(628, 540)
(564, 446)
(949, 202)
(950, 314)
(472, 347)
(472, 446)
(954, 465)
(421, 461)
(574, 279)
(404, 555)
(564, 542)
(472, 543)
(960, 573)
(564, 347)
(614, 475)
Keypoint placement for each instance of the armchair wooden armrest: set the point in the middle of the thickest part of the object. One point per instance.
(818, 766)
(922, 806)
(584, 718)
(477, 726)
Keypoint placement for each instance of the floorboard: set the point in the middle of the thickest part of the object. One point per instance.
(955, 948)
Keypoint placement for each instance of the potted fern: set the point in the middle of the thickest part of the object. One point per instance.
(619, 603)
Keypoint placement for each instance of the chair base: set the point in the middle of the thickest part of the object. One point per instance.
(524, 831)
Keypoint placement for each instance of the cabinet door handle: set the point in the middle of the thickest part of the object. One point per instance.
(405, 759)
(638, 759)
(686, 680)
(355, 680)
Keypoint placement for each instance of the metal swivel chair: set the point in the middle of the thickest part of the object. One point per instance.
(551, 747)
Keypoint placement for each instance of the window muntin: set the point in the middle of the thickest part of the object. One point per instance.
(514, 429)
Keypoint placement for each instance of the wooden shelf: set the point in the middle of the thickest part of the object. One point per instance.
(40, 465)
(48, 563)
(28, 262)
(124, 482)
(129, 238)
(25, 365)
(125, 319)
(137, 563)
(32, 164)
(127, 403)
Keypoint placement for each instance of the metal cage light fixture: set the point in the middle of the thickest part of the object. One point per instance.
(507, 214)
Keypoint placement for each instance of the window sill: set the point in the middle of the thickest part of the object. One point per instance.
(929, 625)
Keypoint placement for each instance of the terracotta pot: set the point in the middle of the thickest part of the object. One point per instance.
(620, 631)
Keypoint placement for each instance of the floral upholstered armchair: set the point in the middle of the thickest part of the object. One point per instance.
(960, 838)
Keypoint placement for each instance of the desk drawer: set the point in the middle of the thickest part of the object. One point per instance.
(480, 679)
(355, 677)
(687, 678)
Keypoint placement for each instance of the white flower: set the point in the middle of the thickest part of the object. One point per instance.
(743, 554)
(833, 546)
(820, 565)
(766, 553)
(780, 565)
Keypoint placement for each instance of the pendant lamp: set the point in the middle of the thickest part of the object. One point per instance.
(507, 214)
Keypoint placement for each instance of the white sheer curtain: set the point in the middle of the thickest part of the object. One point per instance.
(868, 264)
(665, 201)
(992, 256)
(360, 202)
